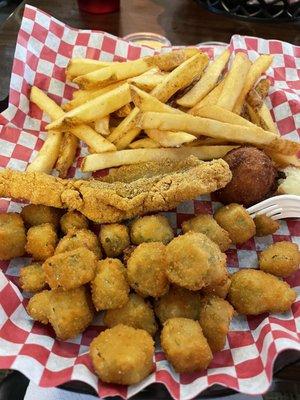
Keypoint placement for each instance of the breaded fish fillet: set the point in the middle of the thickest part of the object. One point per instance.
(104, 202)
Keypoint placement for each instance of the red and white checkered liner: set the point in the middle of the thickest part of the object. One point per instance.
(44, 47)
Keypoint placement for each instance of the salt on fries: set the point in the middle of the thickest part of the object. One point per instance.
(123, 111)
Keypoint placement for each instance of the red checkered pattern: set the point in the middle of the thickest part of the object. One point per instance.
(44, 46)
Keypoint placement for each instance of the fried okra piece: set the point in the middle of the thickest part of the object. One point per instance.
(206, 224)
(114, 239)
(12, 236)
(41, 241)
(69, 312)
(185, 346)
(109, 287)
(280, 259)
(73, 220)
(214, 318)
(32, 278)
(235, 219)
(151, 228)
(254, 292)
(137, 313)
(71, 269)
(178, 302)
(194, 261)
(265, 225)
(79, 238)
(122, 355)
(220, 290)
(146, 270)
(33, 215)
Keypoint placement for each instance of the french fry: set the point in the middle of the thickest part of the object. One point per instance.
(234, 82)
(211, 99)
(216, 129)
(180, 77)
(145, 143)
(169, 61)
(260, 65)
(127, 124)
(94, 162)
(48, 154)
(96, 142)
(266, 116)
(220, 114)
(113, 73)
(149, 80)
(126, 139)
(281, 160)
(82, 96)
(99, 107)
(207, 141)
(124, 111)
(170, 139)
(67, 154)
(254, 116)
(82, 66)
(207, 82)
(102, 126)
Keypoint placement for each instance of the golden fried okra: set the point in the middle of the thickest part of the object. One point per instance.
(280, 259)
(69, 312)
(254, 292)
(79, 238)
(71, 269)
(206, 224)
(235, 219)
(73, 220)
(178, 302)
(109, 287)
(195, 261)
(136, 312)
(151, 228)
(146, 270)
(185, 346)
(122, 355)
(12, 236)
(265, 225)
(33, 215)
(41, 241)
(220, 290)
(114, 239)
(32, 278)
(214, 318)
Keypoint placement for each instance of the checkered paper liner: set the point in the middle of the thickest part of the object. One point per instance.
(44, 47)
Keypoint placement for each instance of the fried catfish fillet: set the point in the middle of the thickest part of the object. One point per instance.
(104, 202)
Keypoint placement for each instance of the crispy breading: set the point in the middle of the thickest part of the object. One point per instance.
(112, 202)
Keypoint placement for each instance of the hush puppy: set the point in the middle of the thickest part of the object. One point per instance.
(265, 225)
(114, 239)
(254, 292)
(32, 278)
(41, 241)
(73, 220)
(151, 228)
(79, 238)
(185, 346)
(122, 355)
(69, 312)
(33, 215)
(12, 236)
(206, 224)
(235, 219)
(280, 259)
(146, 270)
(71, 269)
(178, 302)
(214, 318)
(109, 287)
(253, 176)
(136, 313)
(195, 261)
(220, 290)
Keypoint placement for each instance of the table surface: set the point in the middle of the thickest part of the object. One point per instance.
(183, 22)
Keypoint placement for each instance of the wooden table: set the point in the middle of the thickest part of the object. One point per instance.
(181, 21)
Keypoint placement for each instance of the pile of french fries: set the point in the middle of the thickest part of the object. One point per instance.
(166, 106)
